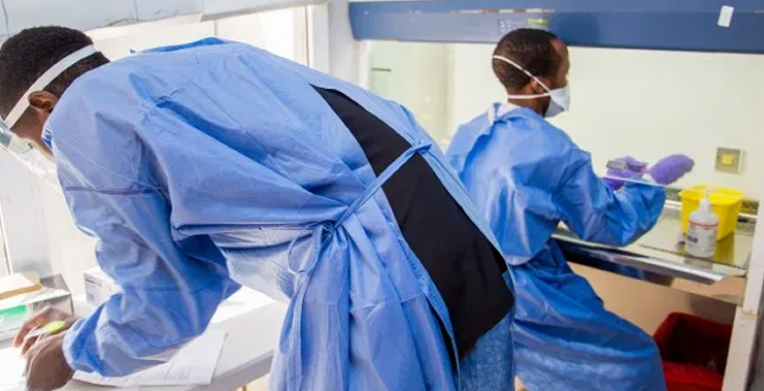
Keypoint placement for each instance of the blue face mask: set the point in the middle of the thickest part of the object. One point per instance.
(559, 97)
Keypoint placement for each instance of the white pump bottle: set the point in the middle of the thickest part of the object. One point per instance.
(701, 233)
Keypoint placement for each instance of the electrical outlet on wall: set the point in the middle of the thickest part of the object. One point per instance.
(729, 160)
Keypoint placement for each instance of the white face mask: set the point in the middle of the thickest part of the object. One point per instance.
(560, 97)
(36, 161)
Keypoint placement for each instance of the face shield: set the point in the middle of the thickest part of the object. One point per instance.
(21, 149)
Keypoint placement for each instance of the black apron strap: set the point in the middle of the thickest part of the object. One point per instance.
(465, 267)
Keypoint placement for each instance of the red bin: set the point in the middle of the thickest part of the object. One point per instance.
(694, 352)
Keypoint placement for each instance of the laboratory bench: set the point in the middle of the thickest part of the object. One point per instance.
(253, 325)
(659, 257)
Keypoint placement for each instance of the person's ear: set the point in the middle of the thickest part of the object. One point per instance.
(42, 101)
(537, 87)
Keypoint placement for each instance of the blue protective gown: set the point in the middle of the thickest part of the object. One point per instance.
(209, 165)
(526, 176)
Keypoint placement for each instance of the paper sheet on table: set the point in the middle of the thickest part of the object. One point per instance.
(12, 369)
(193, 365)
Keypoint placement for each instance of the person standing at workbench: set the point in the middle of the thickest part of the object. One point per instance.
(203, 166)
(527, 176)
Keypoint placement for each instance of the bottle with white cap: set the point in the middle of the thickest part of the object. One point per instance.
(702, 229)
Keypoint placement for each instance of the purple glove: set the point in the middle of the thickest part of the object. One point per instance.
(634, 170)
(669, 169)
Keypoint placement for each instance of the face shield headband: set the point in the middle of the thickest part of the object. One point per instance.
(19, 148)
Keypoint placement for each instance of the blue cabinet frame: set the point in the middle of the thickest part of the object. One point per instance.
(689, 25)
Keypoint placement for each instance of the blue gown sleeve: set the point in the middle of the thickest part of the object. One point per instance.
(166, 299)
(115, 191)
(598, 214)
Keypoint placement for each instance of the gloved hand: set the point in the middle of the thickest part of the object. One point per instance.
(669, 169)
(635, 170)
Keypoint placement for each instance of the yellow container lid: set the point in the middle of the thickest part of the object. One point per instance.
(721, 196)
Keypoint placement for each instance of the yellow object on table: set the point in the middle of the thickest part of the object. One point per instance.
(50, 328)
(725, 204)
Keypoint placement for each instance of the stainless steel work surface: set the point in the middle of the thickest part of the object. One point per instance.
(661, 252)
(734, 250)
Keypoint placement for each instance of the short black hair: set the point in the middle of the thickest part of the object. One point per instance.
(533, 50)
(25, 56)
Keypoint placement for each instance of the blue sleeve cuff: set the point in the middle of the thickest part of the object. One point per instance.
(67, 347)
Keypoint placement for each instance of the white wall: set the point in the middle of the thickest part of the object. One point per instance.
(37, 227)
(344, 50)
(647, 104)
(473, 84)
(279, 32)
(69, 250)
(26, 243)
(418, 79)
(142, 38)
(113, 15)
(276, 31)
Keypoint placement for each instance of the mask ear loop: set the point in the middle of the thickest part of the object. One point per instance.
(521, 69)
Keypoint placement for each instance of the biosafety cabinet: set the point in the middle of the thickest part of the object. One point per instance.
(38, 233)
(649, 79)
